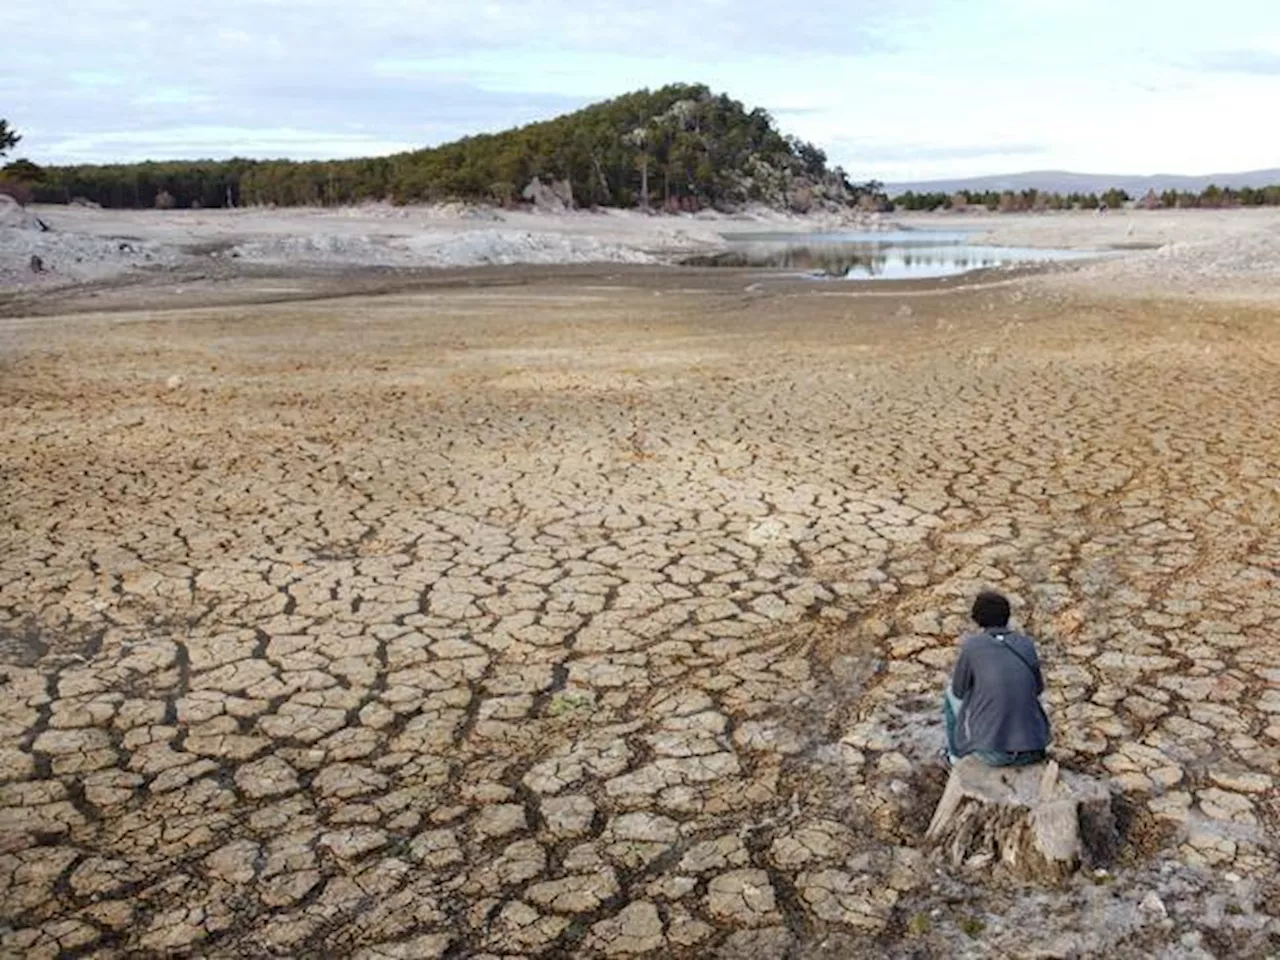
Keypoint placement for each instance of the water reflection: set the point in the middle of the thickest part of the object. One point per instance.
(885, 256)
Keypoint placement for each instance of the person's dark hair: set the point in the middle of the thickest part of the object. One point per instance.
(990, 609)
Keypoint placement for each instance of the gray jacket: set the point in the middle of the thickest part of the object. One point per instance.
(998, 679)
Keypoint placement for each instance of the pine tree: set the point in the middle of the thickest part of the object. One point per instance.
(9, 138)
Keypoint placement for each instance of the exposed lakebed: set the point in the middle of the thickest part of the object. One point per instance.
(882, 255)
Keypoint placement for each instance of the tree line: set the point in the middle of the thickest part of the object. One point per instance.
(679, 147)
(1211, 197)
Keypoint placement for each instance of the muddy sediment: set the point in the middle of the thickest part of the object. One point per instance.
(605, 612)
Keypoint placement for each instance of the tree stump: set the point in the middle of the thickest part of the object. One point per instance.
(1038, 821)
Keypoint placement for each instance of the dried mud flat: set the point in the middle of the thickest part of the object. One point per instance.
(607, 616)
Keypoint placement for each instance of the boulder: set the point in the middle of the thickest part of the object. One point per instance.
(15, 216)
(556, 195)
(1039, 822)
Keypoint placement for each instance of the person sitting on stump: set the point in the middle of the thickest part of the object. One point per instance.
(992, 707)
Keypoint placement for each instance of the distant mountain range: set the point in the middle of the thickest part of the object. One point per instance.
(1063, 181)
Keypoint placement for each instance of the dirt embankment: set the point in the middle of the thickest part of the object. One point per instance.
(1217, 255)
(1207, 254)
(85, 244)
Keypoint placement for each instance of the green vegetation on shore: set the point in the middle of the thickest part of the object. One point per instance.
(678, 148)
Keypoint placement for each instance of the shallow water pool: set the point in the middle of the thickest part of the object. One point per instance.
(889, 255)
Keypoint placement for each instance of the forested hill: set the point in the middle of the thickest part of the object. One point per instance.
(687, 147)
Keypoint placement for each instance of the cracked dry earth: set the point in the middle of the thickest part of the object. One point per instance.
(603, 618)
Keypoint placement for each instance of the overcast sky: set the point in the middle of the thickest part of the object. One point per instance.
(893, 89)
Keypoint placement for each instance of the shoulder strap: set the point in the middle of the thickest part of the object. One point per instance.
(1000, 638)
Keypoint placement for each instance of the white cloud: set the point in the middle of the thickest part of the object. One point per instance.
(220, 141)
(1265, 62)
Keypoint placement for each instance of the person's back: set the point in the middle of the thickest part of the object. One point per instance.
(993, 700)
